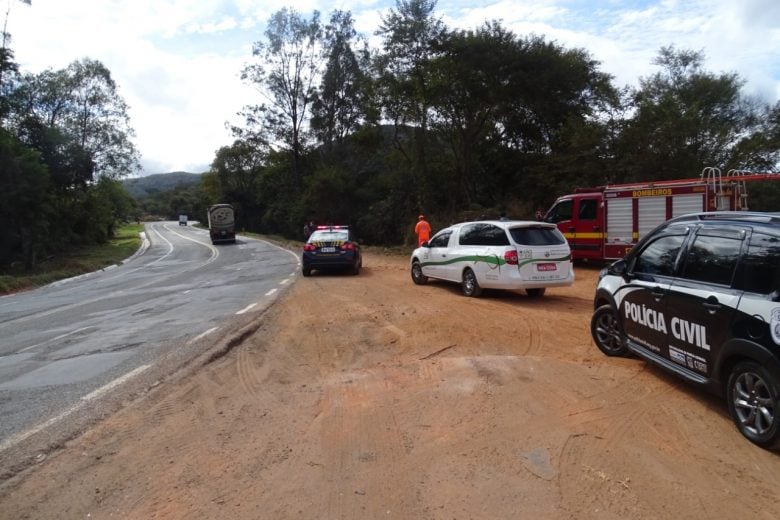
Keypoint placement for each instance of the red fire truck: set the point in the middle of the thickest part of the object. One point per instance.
(603, 223)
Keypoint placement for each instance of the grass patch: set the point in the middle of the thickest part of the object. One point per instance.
(79, 261)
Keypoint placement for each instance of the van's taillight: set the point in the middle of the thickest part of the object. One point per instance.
(348, 246)
(309, 247)
(510, 257)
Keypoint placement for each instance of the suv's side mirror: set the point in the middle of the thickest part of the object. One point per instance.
(618, 268)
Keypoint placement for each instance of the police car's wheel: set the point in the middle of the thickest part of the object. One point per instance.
(306, 271)
(470, 285)
(606, 332)
(754, 403)
(417, 275)
(535, 293)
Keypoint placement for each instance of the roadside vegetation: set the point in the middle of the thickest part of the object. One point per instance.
(85, 259)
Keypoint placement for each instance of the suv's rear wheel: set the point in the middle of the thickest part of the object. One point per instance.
(470, 286)
(605, 330)
(754, 403)
(417, 275)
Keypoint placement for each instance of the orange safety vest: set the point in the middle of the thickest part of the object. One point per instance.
(423, 230)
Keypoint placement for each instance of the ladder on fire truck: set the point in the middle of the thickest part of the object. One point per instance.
(736, 179)
(711, 176)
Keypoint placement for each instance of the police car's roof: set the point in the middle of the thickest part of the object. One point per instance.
(740, 216)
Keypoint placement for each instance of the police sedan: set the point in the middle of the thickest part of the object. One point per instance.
(331, 247)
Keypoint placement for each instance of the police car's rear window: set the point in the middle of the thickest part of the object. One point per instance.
(329, 236)
(536, 236)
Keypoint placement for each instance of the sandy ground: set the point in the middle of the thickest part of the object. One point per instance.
(369, 397)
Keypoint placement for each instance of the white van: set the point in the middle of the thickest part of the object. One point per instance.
(493, 254)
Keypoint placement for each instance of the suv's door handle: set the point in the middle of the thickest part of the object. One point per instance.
(712, 305)
(658, 293)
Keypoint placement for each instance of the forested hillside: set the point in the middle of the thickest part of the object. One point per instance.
(454, 123)
(149, 185)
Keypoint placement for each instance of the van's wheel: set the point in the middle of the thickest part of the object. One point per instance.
(753, 395)
(535, 293)
(417, 275)
(470, 286)
(605, 330)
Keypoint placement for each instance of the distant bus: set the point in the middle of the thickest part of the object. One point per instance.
(222, 223)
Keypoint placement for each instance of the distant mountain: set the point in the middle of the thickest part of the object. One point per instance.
(159, 182)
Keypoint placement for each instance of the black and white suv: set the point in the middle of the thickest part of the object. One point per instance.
(700, 297)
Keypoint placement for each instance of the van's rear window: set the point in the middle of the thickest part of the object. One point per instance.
(537, 236)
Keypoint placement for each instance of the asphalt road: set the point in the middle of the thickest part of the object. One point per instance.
(73, 350)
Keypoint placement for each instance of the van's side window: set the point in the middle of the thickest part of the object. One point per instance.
(483, 235)
(440, 240)
(760, 266)
(588, 209)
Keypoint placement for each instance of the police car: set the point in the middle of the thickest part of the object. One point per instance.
(700, 297)
(330, 247)
(496, 254)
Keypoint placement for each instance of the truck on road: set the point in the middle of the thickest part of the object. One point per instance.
(222, 224)
(604, 223)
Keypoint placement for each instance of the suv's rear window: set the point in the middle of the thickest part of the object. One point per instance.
(537, 236)
(760, 266)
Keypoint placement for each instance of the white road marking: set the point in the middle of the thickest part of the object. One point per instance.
(269, 293)
(202, 335)
(19, 437)
(247, 308)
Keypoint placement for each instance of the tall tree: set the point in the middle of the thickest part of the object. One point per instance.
(286, 69)
(77, 119)
(685, 118)
(99, 121)
(343, 100)
(410, 32)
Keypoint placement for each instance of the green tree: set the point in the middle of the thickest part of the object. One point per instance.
(685, 119)
(25, 203)
(99, 121)
(410, 32)
(286, 70)
(343, 100)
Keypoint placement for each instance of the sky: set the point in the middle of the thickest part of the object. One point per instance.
(177, 63)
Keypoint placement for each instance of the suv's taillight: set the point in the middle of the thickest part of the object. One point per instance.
(510, 257)
(348, 246)
(309, 247)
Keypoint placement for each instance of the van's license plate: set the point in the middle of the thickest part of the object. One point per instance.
(546, 267)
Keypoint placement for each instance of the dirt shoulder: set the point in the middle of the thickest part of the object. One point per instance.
(370, 397)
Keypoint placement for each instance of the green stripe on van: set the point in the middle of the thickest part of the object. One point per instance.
(493, 260)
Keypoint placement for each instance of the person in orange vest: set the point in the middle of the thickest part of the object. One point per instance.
(423, 230)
